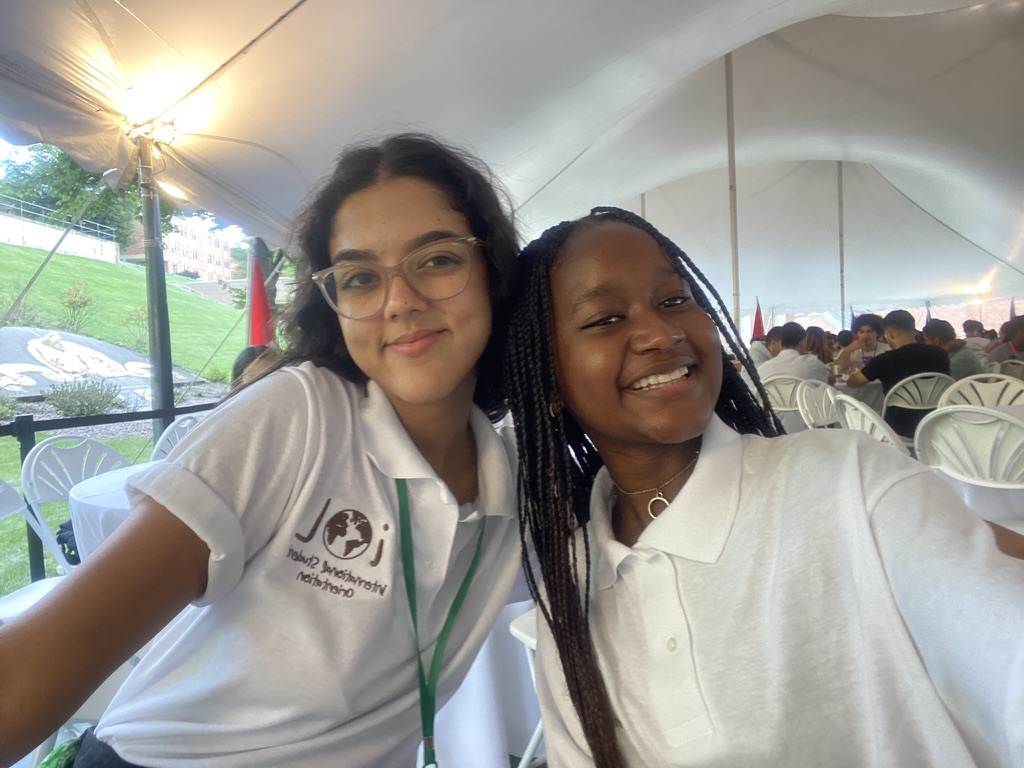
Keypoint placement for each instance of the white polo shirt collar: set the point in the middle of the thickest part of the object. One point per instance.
(391, 450)
(695, 526)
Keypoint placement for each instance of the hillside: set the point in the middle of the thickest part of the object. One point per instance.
(198, 325)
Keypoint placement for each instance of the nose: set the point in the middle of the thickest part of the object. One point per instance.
(400, 296)
(654, 334)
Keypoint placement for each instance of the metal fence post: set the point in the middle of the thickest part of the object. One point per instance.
(25, 431)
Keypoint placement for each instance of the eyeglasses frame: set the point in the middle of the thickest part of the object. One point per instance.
(319, 277)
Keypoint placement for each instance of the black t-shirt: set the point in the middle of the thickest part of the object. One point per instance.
(897, 364)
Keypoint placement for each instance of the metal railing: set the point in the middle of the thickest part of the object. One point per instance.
(25, 427)
(12, 206)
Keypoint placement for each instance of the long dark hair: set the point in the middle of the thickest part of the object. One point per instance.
(558, 463)
(310, 329)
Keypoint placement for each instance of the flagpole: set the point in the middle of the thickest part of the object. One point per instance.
(730, 123)
(842, 246)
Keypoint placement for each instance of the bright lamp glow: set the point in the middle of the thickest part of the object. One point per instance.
(172, 190)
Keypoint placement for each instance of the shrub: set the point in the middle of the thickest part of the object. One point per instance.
(136, 322)
(90, 397)
(7, 410)
(77, 301)
(27, 314)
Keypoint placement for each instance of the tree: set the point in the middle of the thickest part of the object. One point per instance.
(50, 178)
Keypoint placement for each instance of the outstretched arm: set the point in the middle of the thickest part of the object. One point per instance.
(58, 653)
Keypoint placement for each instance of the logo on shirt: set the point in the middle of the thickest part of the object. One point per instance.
(346, 534)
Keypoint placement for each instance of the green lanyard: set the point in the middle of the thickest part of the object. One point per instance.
(428, 683)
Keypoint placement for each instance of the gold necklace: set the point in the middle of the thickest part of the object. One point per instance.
(658, 496)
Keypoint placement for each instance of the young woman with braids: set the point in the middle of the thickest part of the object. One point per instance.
(327, 528)
(707, 600)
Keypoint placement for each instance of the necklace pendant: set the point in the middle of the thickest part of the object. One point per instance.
(650, 505)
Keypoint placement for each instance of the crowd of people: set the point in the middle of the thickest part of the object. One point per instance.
(884, 349)
(447, 414)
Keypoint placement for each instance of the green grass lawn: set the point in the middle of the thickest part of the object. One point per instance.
(198, 325)
(14, 572)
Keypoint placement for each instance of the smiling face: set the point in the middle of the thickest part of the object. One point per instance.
(637, 361)
(419, 351)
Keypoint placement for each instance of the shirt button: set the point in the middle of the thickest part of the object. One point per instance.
(671, 645)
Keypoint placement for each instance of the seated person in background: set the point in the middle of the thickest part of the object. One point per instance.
(866, 346)
(745, 600)
(962, 361)
(977, 339)
(773, 340)
(843, 339)
(759, 350)
(792, 361)
(817, 344)
(245, 368)
(1013, 345)
(906, 358)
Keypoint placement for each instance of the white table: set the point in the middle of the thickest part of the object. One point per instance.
(491, 715)
(98, 505)
(870, 394)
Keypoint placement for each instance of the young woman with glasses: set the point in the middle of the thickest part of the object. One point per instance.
(338, 537)
(714, 594)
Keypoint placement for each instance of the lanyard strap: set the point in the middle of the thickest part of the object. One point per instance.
(428, 683)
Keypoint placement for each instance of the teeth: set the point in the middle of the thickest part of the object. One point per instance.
(662, 378)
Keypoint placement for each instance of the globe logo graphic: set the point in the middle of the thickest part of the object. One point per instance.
(347, 534)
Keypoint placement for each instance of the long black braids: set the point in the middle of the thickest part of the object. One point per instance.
(558, 463)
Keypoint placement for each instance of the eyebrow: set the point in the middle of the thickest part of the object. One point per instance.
(358, 254)
(603, 289)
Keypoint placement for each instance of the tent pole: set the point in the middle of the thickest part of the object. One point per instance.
(643, 206)
(161, 384)
(730, 123)
(842, 249)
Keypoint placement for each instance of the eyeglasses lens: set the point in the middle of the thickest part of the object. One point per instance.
(358, 290)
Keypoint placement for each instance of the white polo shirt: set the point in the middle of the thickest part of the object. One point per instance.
(812, 600)
(301, 650)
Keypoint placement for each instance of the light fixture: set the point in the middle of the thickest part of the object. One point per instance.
(176, 192)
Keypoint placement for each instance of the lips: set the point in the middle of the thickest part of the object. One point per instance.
(414, 342)
(653, 381)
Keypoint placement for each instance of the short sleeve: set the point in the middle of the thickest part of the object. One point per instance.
(963, 603)
(230, 479)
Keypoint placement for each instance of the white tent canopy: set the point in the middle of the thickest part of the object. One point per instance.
(575, 104)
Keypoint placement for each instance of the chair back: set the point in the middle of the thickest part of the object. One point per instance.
(986, 389)
(816, 401)
(974, 444)
(781, 391)
(53, 467)
(993, 367)
(1013, 368)
(853, 414)
(173, 434)
(918, 392)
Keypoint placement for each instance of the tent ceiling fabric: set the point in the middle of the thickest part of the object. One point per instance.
(577, 104)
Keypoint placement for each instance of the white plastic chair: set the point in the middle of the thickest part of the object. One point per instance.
(524, 629)
(991, 367)
(20, 600)
(173, 434)
(987, 389)
(1013, 368)
(781, 391)
(920, 392)
(53, 467)
(816, 401)
(974, 444)
(853, 414)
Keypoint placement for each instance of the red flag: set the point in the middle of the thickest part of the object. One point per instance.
(758, 323)
(261, 324)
